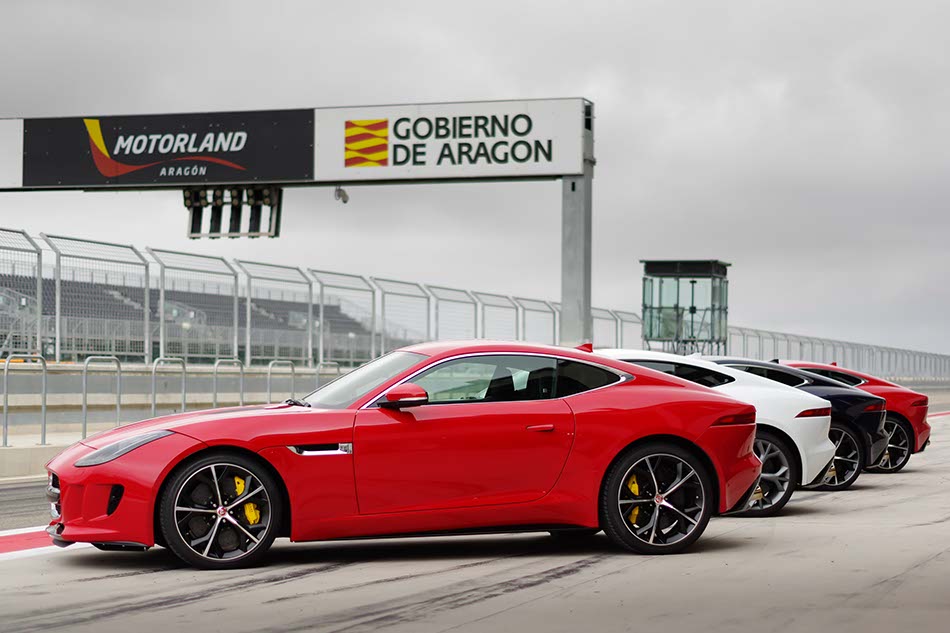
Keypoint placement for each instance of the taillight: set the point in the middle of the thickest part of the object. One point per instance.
(740, 418)
(923, 402)
(875, 406)
(814, 413)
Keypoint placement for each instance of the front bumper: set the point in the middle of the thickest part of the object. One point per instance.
(113, 502)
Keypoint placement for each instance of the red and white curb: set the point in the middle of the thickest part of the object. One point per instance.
(26, 542)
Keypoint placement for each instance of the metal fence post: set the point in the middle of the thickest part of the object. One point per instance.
(170, 360)
(293, 376)
(236, 362)
(6, 394)
(85, 388)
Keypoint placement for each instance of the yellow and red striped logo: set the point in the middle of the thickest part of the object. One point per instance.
(367, 143)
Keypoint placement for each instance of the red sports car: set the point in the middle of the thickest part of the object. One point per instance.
(906, 424)
(433, 438)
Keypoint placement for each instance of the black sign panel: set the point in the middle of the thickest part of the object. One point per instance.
(169, 149)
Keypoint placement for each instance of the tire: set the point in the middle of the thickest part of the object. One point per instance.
(225, 526)
(849, 460)
(900, 446)
(780, 474)
(666, 523)
(570, 537)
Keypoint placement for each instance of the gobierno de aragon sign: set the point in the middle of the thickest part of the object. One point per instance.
(466, 140)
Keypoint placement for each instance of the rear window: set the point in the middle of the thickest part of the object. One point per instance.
(699, 375)
(573, 377)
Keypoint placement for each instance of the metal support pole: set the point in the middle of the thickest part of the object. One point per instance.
(85, 388)
(329, 363)
(576, 324)
(58, 272)
(372, 329)
(161, 313)
(6, 395)
(147, 335)
(247, 325)
(309, 317)
(321, 352)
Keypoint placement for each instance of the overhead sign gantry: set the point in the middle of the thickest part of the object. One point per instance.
(227, 161)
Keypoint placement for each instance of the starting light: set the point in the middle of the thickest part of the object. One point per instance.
(815, 413)
(256, 198)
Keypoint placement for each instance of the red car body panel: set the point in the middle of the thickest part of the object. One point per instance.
(448, 467)
(900, 400)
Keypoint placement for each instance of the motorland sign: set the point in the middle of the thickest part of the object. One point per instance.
(170, 149)
(542, 138)
(489, 139)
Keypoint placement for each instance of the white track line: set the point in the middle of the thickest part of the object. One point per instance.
(41, 528)
(39, 551)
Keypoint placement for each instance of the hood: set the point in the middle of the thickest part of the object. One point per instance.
(202, 425)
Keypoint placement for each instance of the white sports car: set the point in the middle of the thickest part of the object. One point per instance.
(791, 437)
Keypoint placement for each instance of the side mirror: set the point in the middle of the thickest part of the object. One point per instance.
(405, 395)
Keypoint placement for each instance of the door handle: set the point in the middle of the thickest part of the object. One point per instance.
(540, 428)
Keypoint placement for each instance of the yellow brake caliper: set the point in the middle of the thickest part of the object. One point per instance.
(251, 511)
(633, 487)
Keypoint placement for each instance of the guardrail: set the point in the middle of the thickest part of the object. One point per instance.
(169, 360)
(234, 362)
(6, 394)
(293, 376)
(85, 388)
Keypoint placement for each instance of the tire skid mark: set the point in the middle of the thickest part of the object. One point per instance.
(412, 576)
(422, 605)
(70, 616)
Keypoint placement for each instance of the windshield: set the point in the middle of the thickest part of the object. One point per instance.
(350, 387)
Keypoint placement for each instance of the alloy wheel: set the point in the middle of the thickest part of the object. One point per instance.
(898, 447)
(845, 467)
(661, 500)
(223, 512)
(776, 474)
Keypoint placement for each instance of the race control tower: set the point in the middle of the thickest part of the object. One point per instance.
(685, 306)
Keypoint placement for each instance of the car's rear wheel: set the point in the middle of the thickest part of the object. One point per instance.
(221, 512)
(849, 460)
(656, 499)
(779, 474)
(899, 446)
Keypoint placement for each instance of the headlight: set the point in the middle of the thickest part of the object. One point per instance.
(118, 449)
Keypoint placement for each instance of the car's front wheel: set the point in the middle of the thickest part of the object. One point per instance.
(899, 446)
(220, 511)
(849, 460)
(656, 499)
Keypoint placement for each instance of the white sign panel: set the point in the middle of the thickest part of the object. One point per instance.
(488, 139)
(11, 153)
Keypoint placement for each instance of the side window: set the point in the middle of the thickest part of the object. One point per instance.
(847, 379)
(490, 379)
(573, 377)
(771, 374)
(699, 375)
(786, 379)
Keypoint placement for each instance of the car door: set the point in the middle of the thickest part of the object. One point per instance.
(491, 433)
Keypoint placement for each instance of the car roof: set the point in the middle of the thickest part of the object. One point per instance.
(801, 373)
(868, 378)
(437, 349)
(739, 376)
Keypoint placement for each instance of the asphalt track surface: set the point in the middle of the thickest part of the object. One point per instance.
(873, 558)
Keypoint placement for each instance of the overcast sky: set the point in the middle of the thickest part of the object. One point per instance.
(807, 143)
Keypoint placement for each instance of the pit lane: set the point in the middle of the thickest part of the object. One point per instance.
(872, 558)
